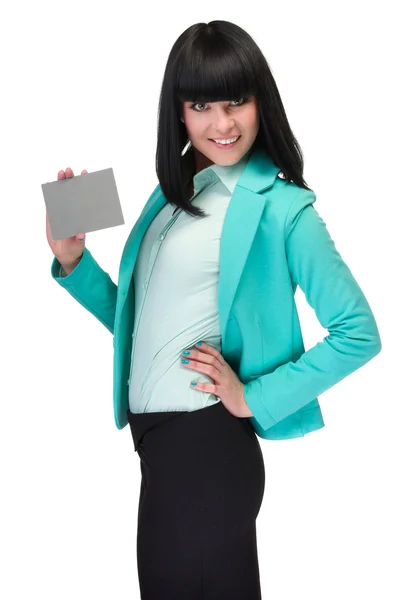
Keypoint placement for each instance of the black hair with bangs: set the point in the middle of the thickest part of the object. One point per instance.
(213, 62)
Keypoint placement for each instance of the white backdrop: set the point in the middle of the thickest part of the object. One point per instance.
(80, 89)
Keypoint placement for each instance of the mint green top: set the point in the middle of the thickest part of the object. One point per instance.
(175, 281)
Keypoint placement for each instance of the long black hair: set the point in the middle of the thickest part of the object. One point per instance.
(212, 62)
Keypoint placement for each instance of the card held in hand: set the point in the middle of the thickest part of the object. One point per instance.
(82, 203)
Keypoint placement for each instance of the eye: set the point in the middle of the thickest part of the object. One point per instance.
(195, 104)
(241, 99)
(192, 106)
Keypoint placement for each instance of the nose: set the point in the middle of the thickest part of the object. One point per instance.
(224, 123)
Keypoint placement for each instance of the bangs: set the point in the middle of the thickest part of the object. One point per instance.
(215, 73)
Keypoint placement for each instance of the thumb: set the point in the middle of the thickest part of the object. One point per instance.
(81, 236)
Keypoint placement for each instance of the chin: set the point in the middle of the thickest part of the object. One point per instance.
(227, 157)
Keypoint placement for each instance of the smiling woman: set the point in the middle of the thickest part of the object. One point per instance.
(229, 281)
(218, 85)
(218, 104)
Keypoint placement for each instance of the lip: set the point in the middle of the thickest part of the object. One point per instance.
(225, 145)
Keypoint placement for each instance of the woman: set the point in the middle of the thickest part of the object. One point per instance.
(206, 286)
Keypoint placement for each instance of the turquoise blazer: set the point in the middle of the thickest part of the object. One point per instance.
(272, 241)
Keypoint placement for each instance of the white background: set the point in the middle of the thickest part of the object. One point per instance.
(80, 89)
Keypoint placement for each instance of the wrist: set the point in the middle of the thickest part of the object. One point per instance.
(67, 268)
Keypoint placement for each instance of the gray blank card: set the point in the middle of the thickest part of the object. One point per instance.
(83, 203)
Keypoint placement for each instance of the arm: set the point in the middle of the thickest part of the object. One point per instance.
(90, 286)
(340, 306)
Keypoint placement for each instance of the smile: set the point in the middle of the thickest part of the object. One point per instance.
(229, 143)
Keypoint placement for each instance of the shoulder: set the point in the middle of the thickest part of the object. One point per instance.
(286, 201)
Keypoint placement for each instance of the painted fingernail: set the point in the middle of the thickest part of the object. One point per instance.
(186, 352)
(184, 360)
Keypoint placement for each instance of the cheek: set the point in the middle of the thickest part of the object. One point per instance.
(253, 119)
(190, 123)
(252, 127)
(251, 116)
(194, 128)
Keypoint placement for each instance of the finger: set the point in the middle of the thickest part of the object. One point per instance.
(84, 172)
(48, 228)
(69, 172)
(209, 367)
(210, 388)
(201, 357)
(211, 350)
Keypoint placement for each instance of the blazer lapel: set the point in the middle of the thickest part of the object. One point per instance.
(240, 225)
(133, 242)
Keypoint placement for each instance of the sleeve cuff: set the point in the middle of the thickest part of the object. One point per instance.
(252, 396)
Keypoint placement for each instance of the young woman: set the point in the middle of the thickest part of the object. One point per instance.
(208, 352)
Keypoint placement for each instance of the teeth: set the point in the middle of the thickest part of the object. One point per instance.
(229, 141)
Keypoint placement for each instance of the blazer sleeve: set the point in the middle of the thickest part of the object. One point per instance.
(341, 307)
(90, 286)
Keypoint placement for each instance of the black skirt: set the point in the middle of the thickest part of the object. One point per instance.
(202, 487)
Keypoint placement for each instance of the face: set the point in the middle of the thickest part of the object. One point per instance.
(206, 122)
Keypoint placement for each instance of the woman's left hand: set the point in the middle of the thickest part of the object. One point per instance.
(227, 386)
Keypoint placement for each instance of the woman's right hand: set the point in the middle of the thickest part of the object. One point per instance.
(68, 250)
